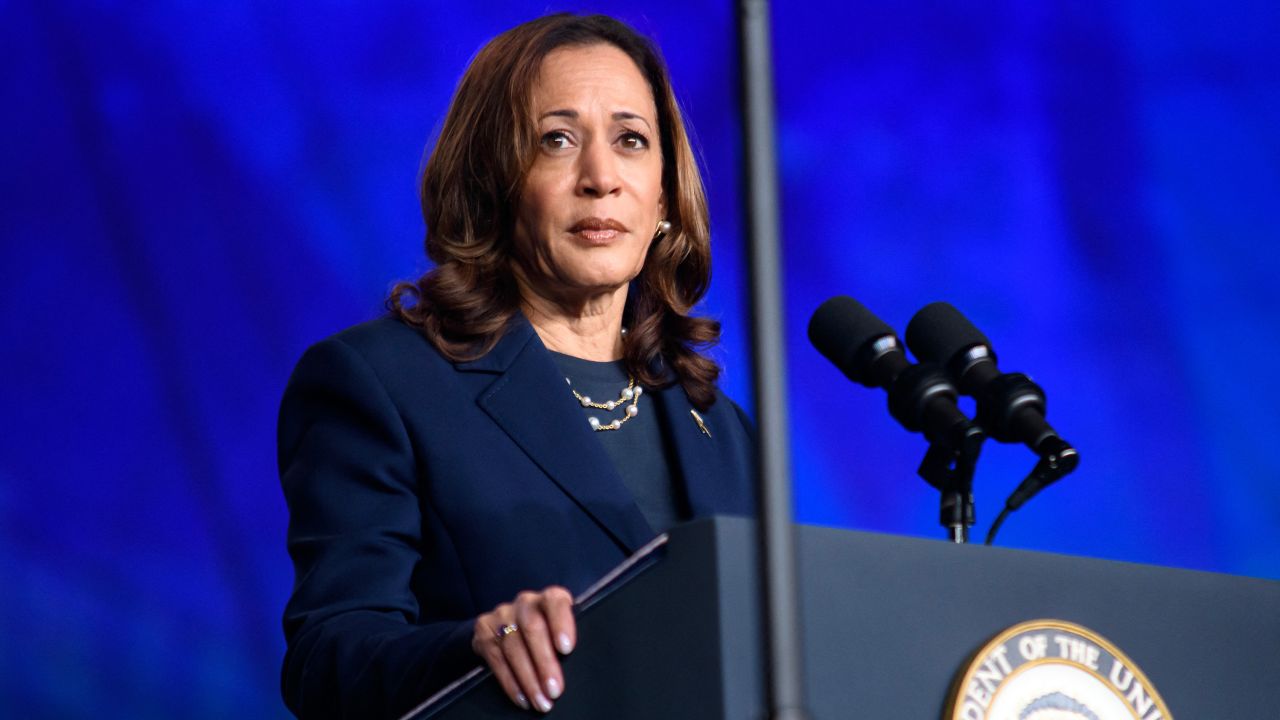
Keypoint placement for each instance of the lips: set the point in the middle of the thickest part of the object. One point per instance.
(597, 230)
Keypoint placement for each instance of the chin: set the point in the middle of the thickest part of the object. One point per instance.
(602, 283)
(601, 276)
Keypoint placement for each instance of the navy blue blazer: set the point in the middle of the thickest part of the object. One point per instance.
(423, 493)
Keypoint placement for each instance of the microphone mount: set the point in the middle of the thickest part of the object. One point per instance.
(950, 470)
(952, 457)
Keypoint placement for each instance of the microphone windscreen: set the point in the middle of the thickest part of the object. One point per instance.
(840, 327)
(939, 331)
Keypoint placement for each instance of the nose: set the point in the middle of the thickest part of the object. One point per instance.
(598, 171)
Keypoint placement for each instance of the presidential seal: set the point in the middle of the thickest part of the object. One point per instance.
(1052, 670)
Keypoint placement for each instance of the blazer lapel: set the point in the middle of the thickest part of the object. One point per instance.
(531, 403)
(706, 462)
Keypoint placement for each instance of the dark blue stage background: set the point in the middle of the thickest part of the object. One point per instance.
(193, 193)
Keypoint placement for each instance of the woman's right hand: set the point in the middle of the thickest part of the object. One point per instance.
(519, 640)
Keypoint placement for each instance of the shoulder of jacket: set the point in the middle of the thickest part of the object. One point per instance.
(388, 346)
(380, 332)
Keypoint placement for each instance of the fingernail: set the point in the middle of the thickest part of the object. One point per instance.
(553, 688)
(522, 701)
(563, 641)
(542, 702)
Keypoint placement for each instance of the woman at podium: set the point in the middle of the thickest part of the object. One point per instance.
(533, 409)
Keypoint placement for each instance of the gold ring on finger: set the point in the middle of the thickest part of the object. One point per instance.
(506, 630)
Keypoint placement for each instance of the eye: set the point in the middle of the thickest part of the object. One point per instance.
(632, 140)
(555, 140)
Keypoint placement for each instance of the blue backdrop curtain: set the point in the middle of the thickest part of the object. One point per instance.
(193, 193)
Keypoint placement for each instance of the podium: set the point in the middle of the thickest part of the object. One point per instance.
(888, 623)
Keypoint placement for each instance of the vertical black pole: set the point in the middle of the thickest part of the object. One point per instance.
(782, 625)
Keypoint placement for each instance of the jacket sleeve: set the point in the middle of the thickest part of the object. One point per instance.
(355, 644)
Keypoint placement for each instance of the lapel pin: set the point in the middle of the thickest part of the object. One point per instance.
(701, 425)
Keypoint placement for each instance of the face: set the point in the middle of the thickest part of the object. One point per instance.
(592, 200)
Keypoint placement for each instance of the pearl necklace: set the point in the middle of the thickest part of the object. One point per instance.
(631, 393)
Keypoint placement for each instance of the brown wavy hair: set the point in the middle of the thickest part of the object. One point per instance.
(470, 190)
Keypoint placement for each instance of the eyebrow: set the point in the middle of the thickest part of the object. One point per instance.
(573, 115)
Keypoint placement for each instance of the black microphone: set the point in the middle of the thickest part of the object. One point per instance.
(921, 396)
(1011, 408)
